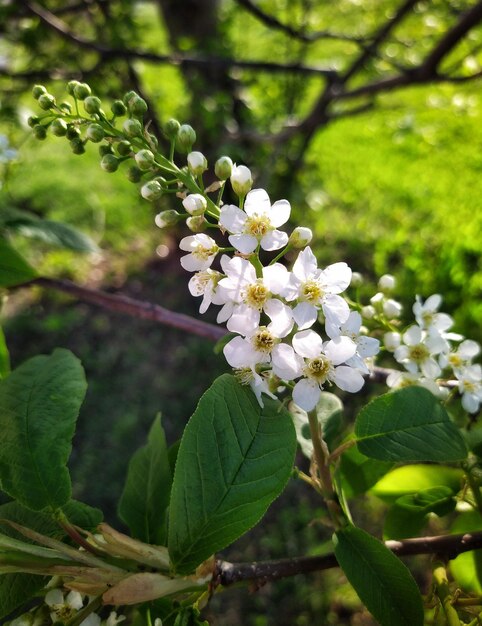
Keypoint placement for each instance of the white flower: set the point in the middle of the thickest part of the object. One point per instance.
(195, 204)
(313, 288)
(62, 609)
(470, 387)
(258, 383)
(257, 224)
(241, 180)
(197, 163)
(366, 347)
(461, 357)
(202, 249)
(204, 284)
(244, 295)
(392, 340)
(392, 308)
(114, 619)
(400, 380)
(322, 364)
(418, 352)
(427, 316)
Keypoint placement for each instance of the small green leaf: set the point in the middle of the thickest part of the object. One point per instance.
(408, 425)
(359, 473)
(414, 478)
(146, 493)
(4, 356)
(39, 404)
(14, 270)
(234, 460)
(381, 580)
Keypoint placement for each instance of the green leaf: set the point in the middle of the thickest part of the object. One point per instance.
(4, 356)
(358, 472)
(39, 404)
(16, 589)
(467, 567)
(381, 580)
(234, 460)
(408, 425)
(14, 270)
(146, 493)
(414, 478)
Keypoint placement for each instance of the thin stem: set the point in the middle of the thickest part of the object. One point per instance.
(443, 592)
(341, 449)
(85, 612)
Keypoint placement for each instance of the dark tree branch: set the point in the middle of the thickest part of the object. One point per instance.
(447, 546)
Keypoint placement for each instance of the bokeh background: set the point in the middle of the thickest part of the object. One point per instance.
(365, 114)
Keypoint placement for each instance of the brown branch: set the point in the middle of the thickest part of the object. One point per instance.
(174, 59)
(448, 546)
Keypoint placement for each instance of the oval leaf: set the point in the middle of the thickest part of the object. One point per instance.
(413, 478)
(381, 580)
(39, 404)
(234, 460)
(408, 425)
(14, 270)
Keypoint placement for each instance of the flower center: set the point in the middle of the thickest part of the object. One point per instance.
(427, 318)
(201, 252)
(455, 360)
(311, 292)
(263, 341)
(419, 353)
(256, 295)
(257, 225)
(469, 386)
(318, 369)
(245, 375)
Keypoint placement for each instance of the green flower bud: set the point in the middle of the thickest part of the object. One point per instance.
(95, 133)
(118, 108)
(82, 91)
(77, 146)
(124, 148)
(132, 128)
(109, 163)
(145, 159)
(197, 163)
(134, 174)
(137, 106)
(92, 104)
(186, 137)
(33, 120)
(152, 140)
(39, 131)
(196, 223)
(65, 106)
(167, 218)
(72, 132)
(171, 128)
(71, 85)
(152, 190)
(300, 237)
(356, 279)
(59, 128)
(105, 148)
(46, 101)
(241, 180)
(37, 91)
(195, 204)
(130, 95)
(223, 168)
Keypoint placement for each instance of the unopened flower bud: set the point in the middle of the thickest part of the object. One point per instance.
(129, 96)
(137, 106)
(356, 279)
(124, 147)
(195, 204)
(118, 108)
(72, 132)
(151, 191)
(144, 159)
(77, 146)
(223, 168)
(33, 120)
(167, 218)
(152, 141)
(39, 131)
(109, 163)
(377, 299)
(186, 136)
(392, 308)
(241, 180)
(71, 85)
(105, 148)
(92, 105)
(65, 106)
(59, 128)
(196, 224)
(37, 91)
(134, 174)
(82, 91)
(95, 133)
(171, 128)
(300, 237)
(132, 128)
(197, 163)
(368, 312)
(46, 101)
(391, 341)
(386, 282)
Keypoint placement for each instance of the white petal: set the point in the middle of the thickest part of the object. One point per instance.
(413, 335)
(353, 323)
(192, 263)
(432, 303)
(74, 600)
(430, 368)
(308, 344)
(335, 308)
(306, 394)
(286, 363)
(368, 346)
(470, 402)
(257, 201)
(225, 313)
(468, 349)
(305, 315)
(244, 320)
(232, 218)
(281, 318)
(348, 379)
(339, 349)
(443, 321)
(274, 240)
(239, 353)
(336, 277)
(276, 278)
(244, 243)
(240, 272)
(280, 212)
(53, 597)
(305, 265)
